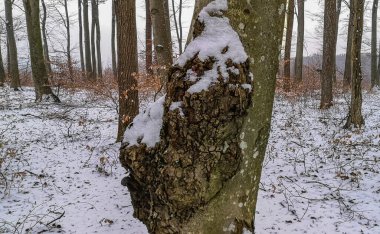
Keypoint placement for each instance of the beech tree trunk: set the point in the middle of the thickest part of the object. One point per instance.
(178, 23)
(203, 175)
(68, 45)
(113, 41)
(355, 117)
(87, 42)
(198, 6)
(338, 10)
(2, 71)
(148, 39)
(159, 10)
(40, 77)
(81, 37)
(14, 73)
(374, 72)
(300, 40)
(328, 63)
(93, 39)
(347, 68)
(98, 37)
(288, 45)
(44, 38)
(127, 63)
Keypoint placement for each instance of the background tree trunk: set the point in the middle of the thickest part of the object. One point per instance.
(198, 6)
(40, 77)
(98, 37)
(300, 40)
(81, 37)
(127, 63)
(68, 46)
(148, 39)
(93, 39)
(2, 71)
(338, 10)
(113, 40)
(197, 186)
(347, 67)
(12, 48)
(374, 72)
(87, 42)
(288, 45)
(178, 24)
(328, 65)
(159, 10)
(44, 38)
(355, 116)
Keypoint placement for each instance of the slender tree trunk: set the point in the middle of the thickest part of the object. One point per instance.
(98, 37)
(68, 46)
(178, 24)
(288, 45)
(355, 117)
(198, 6)
(13, 61)
(2, 71)
(127, 63)
(300, 40)
(162, 36)
(347, 68)
(328, 65)
(193, 186)
(113, 40)
(40, 77)
(93, 39)
(44, 38)
(338, 10)
(87, 42)
(148, 39)
(81, 37)
(374, 72)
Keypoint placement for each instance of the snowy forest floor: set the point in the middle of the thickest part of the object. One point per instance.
(59, 170)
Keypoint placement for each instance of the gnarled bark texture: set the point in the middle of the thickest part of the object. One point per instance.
(203, 175)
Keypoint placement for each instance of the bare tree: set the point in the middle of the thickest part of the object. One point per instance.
(178, 24)
(12, 48)
(40, 77)
(2, 71)
(328, 65)
(148, 39)
(288, 45)
(66, 22)
(374, 71)
(127, 63)
(300, 41)
(113, 40)
(87, 41)
(44, 38)
(338, 10)
(81, 37)
(355, 116)
(348, 66)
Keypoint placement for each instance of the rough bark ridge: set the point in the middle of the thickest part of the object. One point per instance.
(199, 149)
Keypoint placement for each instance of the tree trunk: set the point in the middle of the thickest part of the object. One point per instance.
(113, 40)
(98, 50)
(162, 36)
(347, 68)
(81, 37)
(40, 77)
(328, 65)
(127, 63)
(338, 10)
(13, 61)
(355, 116)
(87, 42)
(44, 38)
(93, 39)
(300, 40)
(148, 39)
(374, 72)
(203, 175)
(198, 6)
(178, 24)
(288, 45)
(2, 71)
(68, 46)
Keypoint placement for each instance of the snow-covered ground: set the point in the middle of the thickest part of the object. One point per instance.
(59, 170)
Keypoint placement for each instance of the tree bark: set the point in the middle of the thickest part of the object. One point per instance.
(347, 68)
(98, 37)
(148, 39)
(355, 117)
(113, 40)
(13, 60)
(159, 10)
(178, 24)
(93, 39)
(82, 66)
(338, 10)
(288, 45)
(374, 72)
(198, 6)
(44, 38)
(300, 40)
(328, 65)
(2, 71)
(40, 77)
(127, 63)
(87, 42)
(203, 175)
(68, 45)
